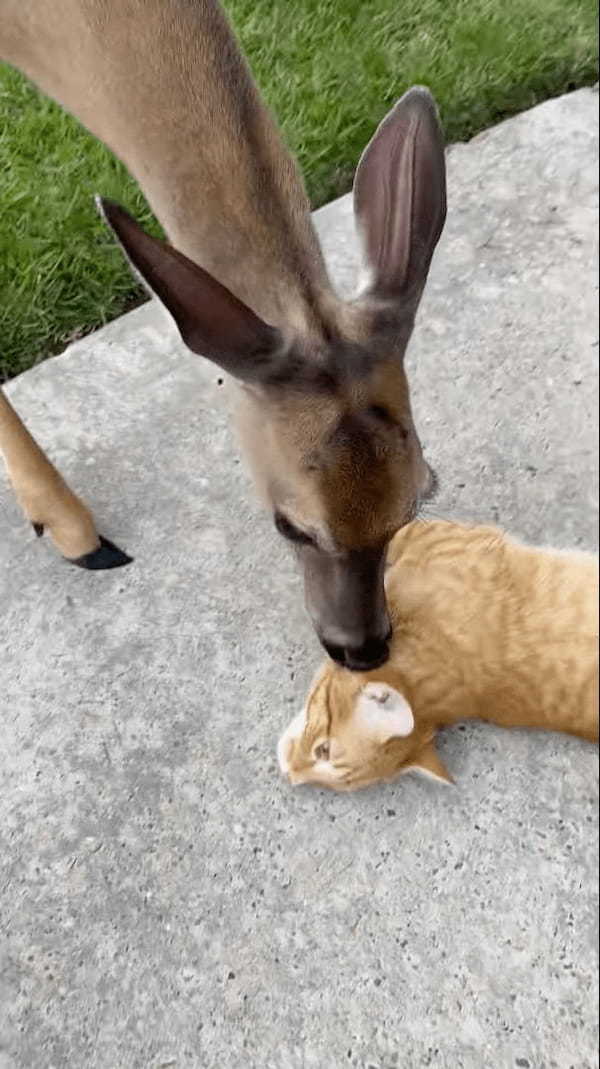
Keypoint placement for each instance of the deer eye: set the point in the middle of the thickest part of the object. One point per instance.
(382, 415)
(293, 534)
(321, 752)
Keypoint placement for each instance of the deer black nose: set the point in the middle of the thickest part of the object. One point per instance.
(373, 653)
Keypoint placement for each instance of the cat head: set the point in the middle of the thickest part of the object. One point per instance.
(355, 731)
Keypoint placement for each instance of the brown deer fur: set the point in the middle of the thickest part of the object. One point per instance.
(324, 405)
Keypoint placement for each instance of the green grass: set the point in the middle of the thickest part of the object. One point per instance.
(328, 68)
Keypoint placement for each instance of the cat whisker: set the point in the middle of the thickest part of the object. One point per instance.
(426, 513)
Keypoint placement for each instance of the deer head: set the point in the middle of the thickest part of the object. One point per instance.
(325, 417)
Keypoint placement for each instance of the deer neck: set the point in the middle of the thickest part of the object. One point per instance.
(165, 86)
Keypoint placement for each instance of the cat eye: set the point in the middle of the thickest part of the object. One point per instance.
(293, 534)
(321, 752)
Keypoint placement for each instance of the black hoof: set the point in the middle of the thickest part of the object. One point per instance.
(39, 529)
(107, 555)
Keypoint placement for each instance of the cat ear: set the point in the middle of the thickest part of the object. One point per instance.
(429, 764)
(383, 712)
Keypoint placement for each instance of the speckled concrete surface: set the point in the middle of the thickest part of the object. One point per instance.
(166, 901)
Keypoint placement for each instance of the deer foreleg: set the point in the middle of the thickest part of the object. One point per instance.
(48, 502)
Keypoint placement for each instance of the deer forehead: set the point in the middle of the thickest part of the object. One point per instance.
(325, 397)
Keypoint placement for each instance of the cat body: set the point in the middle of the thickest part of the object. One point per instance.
(483, 627)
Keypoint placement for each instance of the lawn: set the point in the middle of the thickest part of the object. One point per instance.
(328, 68)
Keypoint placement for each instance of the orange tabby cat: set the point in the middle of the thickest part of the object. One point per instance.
(483, 627)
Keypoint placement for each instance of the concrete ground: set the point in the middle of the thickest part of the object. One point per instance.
(167, 901)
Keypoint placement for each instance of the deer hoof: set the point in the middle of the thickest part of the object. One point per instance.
(107, 555)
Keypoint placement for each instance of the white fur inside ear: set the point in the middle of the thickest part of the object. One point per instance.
(291, 733)
(384, 712)
(365, 279)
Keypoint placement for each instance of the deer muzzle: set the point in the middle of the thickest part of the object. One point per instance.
(345, 599)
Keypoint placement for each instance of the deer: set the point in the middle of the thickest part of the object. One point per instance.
(323, 403)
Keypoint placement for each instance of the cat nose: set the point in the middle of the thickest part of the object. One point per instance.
(371, 654)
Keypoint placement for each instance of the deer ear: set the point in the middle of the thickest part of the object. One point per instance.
(429, 764)
(211, 320)
(383, 712)
(400, 197)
